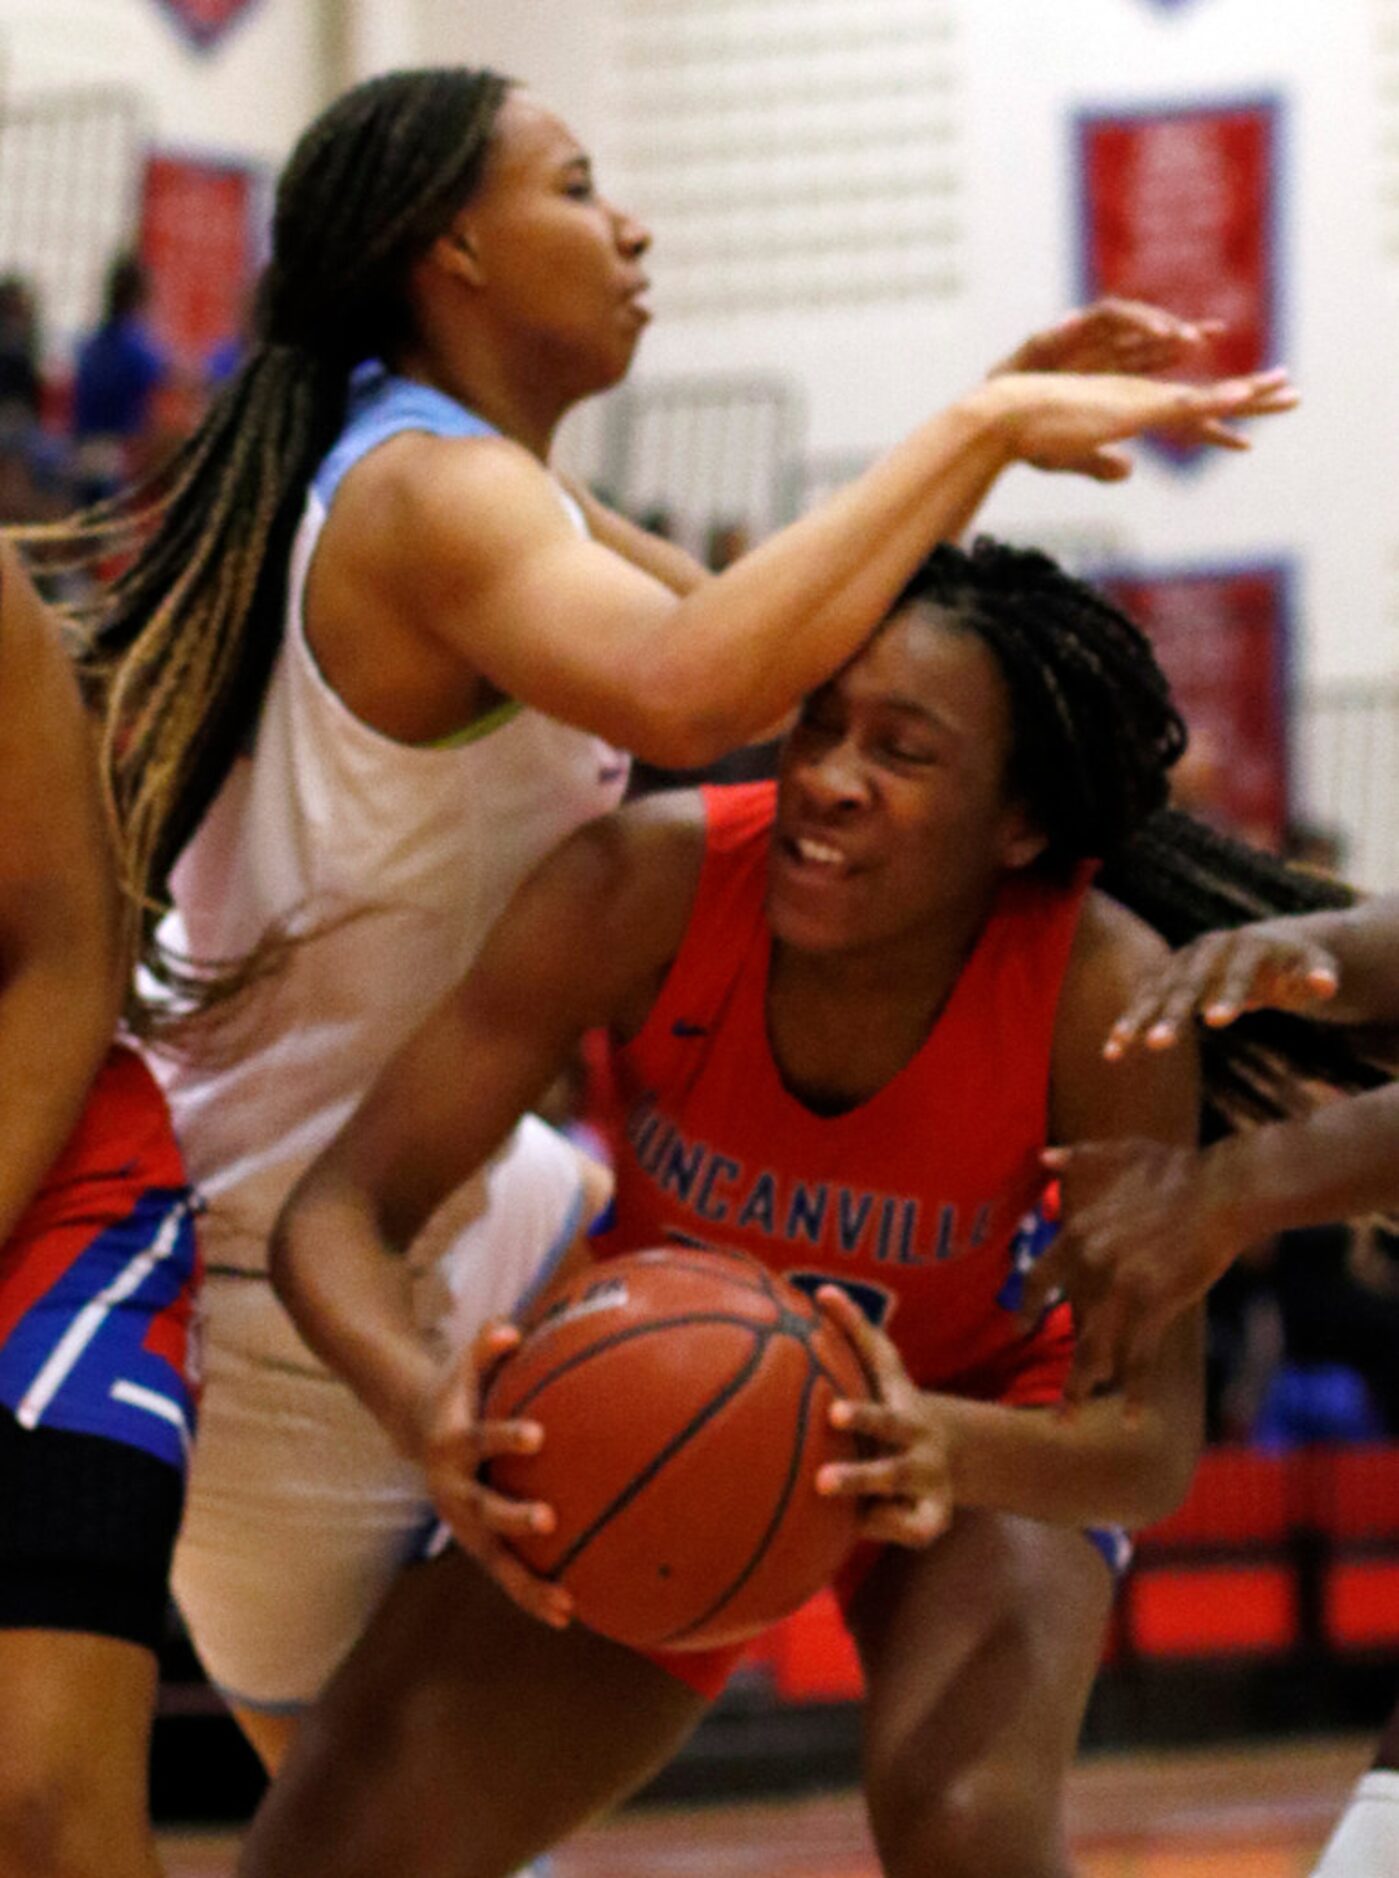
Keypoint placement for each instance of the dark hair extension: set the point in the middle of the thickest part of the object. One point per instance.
(181, 645)
(1095, 734)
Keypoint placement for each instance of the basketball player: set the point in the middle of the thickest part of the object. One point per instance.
(1150, 1228)
(96, 1269)
(373, 664)
(845, 1019)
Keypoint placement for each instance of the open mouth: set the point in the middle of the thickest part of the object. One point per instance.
(815, 858)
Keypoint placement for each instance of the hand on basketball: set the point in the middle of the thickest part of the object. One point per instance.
(908, 1488)
(454, 1446)
(1220, 976)
(1074, 421)
(1142, 1239)
(1115, 336)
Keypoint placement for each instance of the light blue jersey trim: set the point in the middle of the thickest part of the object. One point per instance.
(254, 1707)
(382, 406)
(553, 1258)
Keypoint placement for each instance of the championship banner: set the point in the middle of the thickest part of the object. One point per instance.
(197, 239)
(1179, 207)
(1222, 636)
(204, 21)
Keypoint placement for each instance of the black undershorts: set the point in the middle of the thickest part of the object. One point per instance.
(87, 1528)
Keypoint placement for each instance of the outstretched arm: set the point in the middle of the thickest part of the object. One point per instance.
(1108, 336)
(60, 977)
(1154, 1226)
(584, 634)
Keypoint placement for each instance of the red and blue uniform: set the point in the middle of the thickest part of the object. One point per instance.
(922, 1202)
(97, 1281)
(926, 1203)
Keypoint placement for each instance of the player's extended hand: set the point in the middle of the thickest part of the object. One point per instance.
(1141, 1241)
(1073, 421)
(1115, 335)
(453, 1446)
(909, 1487)
(1219, 976)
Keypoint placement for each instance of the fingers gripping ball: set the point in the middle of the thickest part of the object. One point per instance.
(685, 1403)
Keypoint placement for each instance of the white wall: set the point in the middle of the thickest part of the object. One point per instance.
(1319, 488)
(247, 96)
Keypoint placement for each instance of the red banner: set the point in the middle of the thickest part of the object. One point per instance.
(1222, 636)
(204, 21)
(1178, 207)
(197, 239)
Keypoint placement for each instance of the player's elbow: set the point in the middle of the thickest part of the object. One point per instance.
(682, 718)
(676, 735)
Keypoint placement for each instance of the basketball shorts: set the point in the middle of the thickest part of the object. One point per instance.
(301, 1512)
(97, 1372)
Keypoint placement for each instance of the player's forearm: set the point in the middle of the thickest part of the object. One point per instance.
(1342, 1162)
(350, 1298)
(1093, 1468)
(1364, 942)
(748, 646)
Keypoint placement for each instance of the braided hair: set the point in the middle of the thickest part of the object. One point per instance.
(1095, 733)
(179, 648)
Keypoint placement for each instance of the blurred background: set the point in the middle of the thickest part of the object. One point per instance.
(859, 206)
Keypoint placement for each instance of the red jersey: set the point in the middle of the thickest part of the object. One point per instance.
(920, 1202)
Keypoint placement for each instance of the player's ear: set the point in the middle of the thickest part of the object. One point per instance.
(456, 253)
(1021, 842)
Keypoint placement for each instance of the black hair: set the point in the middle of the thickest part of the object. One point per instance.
(182, 643)
(1095, 734)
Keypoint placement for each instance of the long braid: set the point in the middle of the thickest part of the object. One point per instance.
(179, 647)
(1095, 734)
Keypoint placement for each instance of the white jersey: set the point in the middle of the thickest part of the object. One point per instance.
(397, 858)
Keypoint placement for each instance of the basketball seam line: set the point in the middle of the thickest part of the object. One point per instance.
(779, 1513)
(630, 1334)
(639, 1482)
(739, 1279)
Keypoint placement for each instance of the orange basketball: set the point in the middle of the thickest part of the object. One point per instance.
(684, 1398)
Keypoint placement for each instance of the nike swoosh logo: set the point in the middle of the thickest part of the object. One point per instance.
(680, 1028)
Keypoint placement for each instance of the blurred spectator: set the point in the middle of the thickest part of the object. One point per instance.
(658, 521)
(725, 543)
(20, 383)
(120, 369)
(1302, 1340)
(32, 469)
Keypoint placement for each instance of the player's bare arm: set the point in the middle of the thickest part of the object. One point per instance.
(584, 942)
(1155, 1224)
(60, 979)
(562, 623)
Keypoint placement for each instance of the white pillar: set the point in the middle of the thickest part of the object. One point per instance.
(368, 36)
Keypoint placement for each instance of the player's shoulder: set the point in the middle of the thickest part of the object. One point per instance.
(450, 501)
(648, 850)
(610, 906)
(1113, 950)
(1111, 935)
